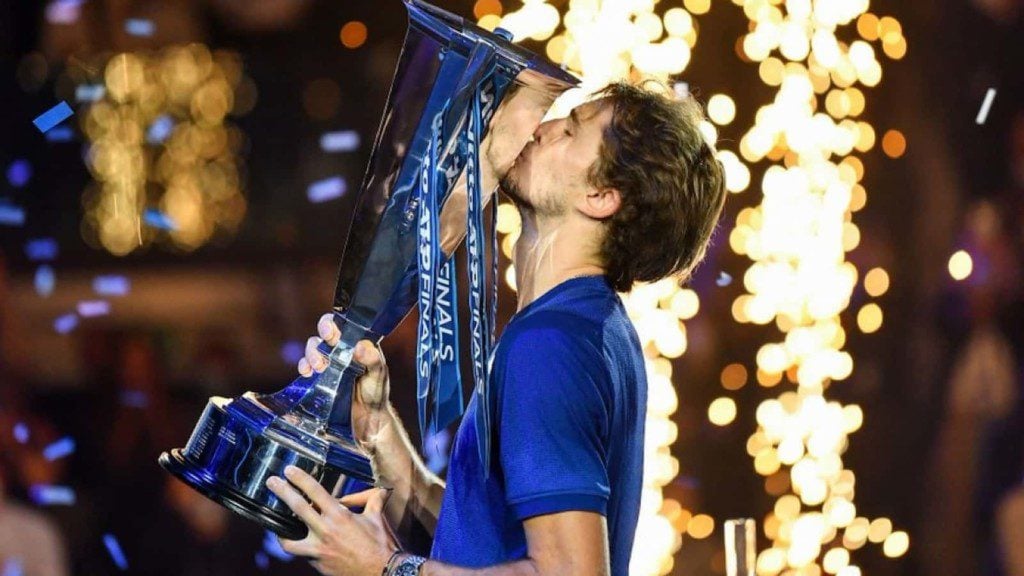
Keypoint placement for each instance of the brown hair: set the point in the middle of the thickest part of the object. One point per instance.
(672, 188)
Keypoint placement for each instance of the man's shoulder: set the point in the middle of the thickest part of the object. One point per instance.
(552, 331)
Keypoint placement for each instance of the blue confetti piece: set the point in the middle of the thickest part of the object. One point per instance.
(437, 459)
(12, 215)
(93, 308)
(21, 433)
(160, 129)
(262, 561)
(41, 249)
(12, 567)
(90, 92)
(158, 219)
(111, 285)
(273, 547)
(19, 173)
(343, 141)
(45, 280)
(59, 449)
(139, 27)
(327, 189)
(114, 549)
(63, 11)
(292, 351)
(47, 120)
(52, 495)
(60, 134)
(134, 398)
(723, 279)
(65, 323)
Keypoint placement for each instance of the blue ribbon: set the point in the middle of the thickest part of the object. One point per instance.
(438, 380)
(448, 404)
(426, 264)
(481, 322)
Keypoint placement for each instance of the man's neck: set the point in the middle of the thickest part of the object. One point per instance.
(551, 251)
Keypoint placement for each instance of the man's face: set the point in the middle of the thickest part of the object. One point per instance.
(550, 174)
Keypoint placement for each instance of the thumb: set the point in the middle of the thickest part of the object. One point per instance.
(375, 503)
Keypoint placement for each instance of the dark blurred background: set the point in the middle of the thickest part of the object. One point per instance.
(226, 310)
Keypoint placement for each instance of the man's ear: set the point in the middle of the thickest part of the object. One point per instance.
(601, 203)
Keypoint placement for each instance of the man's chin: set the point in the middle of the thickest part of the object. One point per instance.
(510, 188)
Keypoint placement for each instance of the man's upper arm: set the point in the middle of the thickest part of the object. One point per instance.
(553, 424)
(568, 543)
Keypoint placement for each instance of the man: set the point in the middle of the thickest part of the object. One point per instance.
(624, 189)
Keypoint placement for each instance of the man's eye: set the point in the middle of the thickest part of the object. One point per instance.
(567, 132)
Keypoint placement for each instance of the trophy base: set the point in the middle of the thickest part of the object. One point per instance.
(237, 445)
(284, 525)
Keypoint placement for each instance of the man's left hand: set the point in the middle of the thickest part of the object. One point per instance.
(339, 543)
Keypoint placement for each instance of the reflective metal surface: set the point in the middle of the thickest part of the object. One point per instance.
(239, 443)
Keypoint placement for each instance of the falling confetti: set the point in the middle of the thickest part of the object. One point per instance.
(681, 89)
(93, 308)
(134, 399)
(139, 27)
(12, 567)
(63, 11)
(437, 459)
(723, 279)
(52, 495)
(59, 449)
(52, 117)
(292, 351)
(21, 433)
(19, 173)
(272, 546)
(114, 549)
(41, 249)
(343, 141)
(60, 134)
(327, 189)
(160, 129)
(111, 285)
(90, 92)
(45, 280)
(158, 219)
(985, 106)
(11, 215)
(65, 323)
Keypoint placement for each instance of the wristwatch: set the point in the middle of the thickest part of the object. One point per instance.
(409, 566)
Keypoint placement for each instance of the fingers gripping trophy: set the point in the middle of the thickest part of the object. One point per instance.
(463, 103)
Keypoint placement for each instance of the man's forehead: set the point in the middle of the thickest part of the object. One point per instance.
(591, 108)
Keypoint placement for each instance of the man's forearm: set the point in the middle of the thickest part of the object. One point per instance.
(415, 501)
(517, 568)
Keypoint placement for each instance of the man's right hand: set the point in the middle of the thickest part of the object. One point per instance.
(370, 411)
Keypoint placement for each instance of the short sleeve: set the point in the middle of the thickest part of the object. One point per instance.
(553, 414)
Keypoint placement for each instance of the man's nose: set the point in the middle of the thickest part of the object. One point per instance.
(542, 130)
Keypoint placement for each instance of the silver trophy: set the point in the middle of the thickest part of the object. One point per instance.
(449, 68)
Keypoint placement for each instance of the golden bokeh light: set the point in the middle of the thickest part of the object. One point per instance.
(869, 318)
(876, 282)
(734, 376)
(722, 411)
(353, 34)
(960, 265)
(163, 158)
(487, 7)
(894, 144)
(700, 526)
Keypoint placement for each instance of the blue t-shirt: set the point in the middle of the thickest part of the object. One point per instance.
(569, 400)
